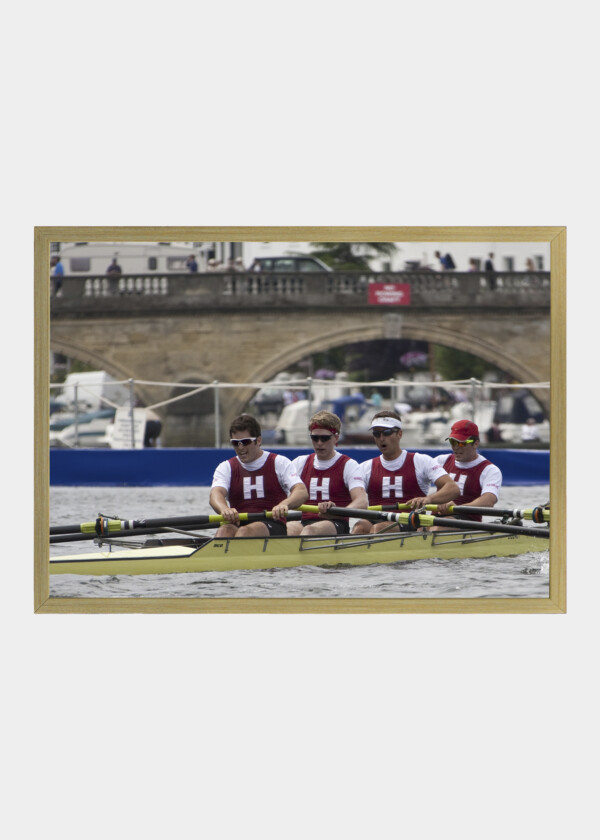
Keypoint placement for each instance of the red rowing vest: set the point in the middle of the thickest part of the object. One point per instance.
(388, 486)
(469, 483)
(325, 485)
(254, 492)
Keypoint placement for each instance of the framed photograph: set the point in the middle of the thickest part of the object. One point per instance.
(209, 399)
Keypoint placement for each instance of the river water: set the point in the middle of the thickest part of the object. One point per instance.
(523, 576)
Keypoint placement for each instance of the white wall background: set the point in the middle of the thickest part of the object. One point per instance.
(298, 726)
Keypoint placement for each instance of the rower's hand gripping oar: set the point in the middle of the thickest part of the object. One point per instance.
(105, 527)
(422, 520)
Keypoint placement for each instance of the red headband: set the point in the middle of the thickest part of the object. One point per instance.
(316, 425)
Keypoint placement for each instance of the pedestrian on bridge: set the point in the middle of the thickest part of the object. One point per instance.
(490, 271)
(114, 269)
(57, 272)
(446, 261)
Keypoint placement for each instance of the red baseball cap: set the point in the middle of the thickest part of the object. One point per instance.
(463, 430)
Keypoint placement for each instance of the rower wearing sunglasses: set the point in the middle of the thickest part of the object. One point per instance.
(479, 480)
(331, 478)
(397, 476)
(254, 481)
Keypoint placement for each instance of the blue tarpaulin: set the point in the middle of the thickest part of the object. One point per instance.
(195, 467)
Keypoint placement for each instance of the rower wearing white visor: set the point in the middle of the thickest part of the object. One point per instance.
(398, 476)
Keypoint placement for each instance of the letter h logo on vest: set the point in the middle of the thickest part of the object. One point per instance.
(319, 489)
(387, 485)
(258, 487)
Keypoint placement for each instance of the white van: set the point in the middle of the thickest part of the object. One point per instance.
(94, 258)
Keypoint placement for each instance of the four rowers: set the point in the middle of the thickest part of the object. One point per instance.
(256, 480)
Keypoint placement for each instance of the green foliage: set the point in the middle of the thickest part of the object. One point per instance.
(68, 365)
(351, 256)
(380, 359)
(458, 364)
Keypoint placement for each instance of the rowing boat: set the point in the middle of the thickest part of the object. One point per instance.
(207, 554)
(164, 555)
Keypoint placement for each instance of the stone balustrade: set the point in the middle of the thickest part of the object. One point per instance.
(303, 290)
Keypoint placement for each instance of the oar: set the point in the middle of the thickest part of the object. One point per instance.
(537, 514)
(103, 524)
(77, 537)
(418, 520)
(103, 527)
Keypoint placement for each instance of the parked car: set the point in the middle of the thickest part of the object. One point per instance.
(288, 264)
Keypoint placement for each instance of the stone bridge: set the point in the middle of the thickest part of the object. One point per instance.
(248, 327)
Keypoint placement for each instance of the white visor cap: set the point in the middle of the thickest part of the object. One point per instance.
(385, 423)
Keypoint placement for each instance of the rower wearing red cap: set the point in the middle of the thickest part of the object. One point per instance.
(478, 479)
(400, 476)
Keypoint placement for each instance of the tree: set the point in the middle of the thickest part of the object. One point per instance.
(351, 256)
(451, 363)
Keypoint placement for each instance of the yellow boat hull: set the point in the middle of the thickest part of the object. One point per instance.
(218, 555)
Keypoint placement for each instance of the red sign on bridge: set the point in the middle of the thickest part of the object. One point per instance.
(389, 294)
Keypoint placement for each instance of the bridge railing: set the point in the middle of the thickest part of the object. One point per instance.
(426, 288)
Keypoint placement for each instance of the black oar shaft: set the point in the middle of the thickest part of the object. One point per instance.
(133, 524)
(538, 514)
(151, 526)
(498, 527)
(426, 520)
(78, 537)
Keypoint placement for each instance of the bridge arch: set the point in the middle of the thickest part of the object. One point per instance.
(100, 361)
(89, 357)
(489, 351)
(211, 328)
(478, 346)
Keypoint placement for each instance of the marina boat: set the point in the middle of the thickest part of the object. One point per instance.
(166, 555)
(91, 431)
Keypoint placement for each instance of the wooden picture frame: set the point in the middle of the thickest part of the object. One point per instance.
(554, 236)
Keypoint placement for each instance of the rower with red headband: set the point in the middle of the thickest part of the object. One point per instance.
(479, 480)
(332, 479)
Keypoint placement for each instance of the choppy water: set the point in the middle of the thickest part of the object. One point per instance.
(524, 576)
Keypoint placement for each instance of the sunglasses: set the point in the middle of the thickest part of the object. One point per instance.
(321, 438)
(461, 443)
(385, 433)
(242, 442)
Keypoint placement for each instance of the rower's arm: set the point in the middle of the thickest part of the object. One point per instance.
(485, 500)
(447, 489)
(358, 498)
(298, 495)
(218, 499)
